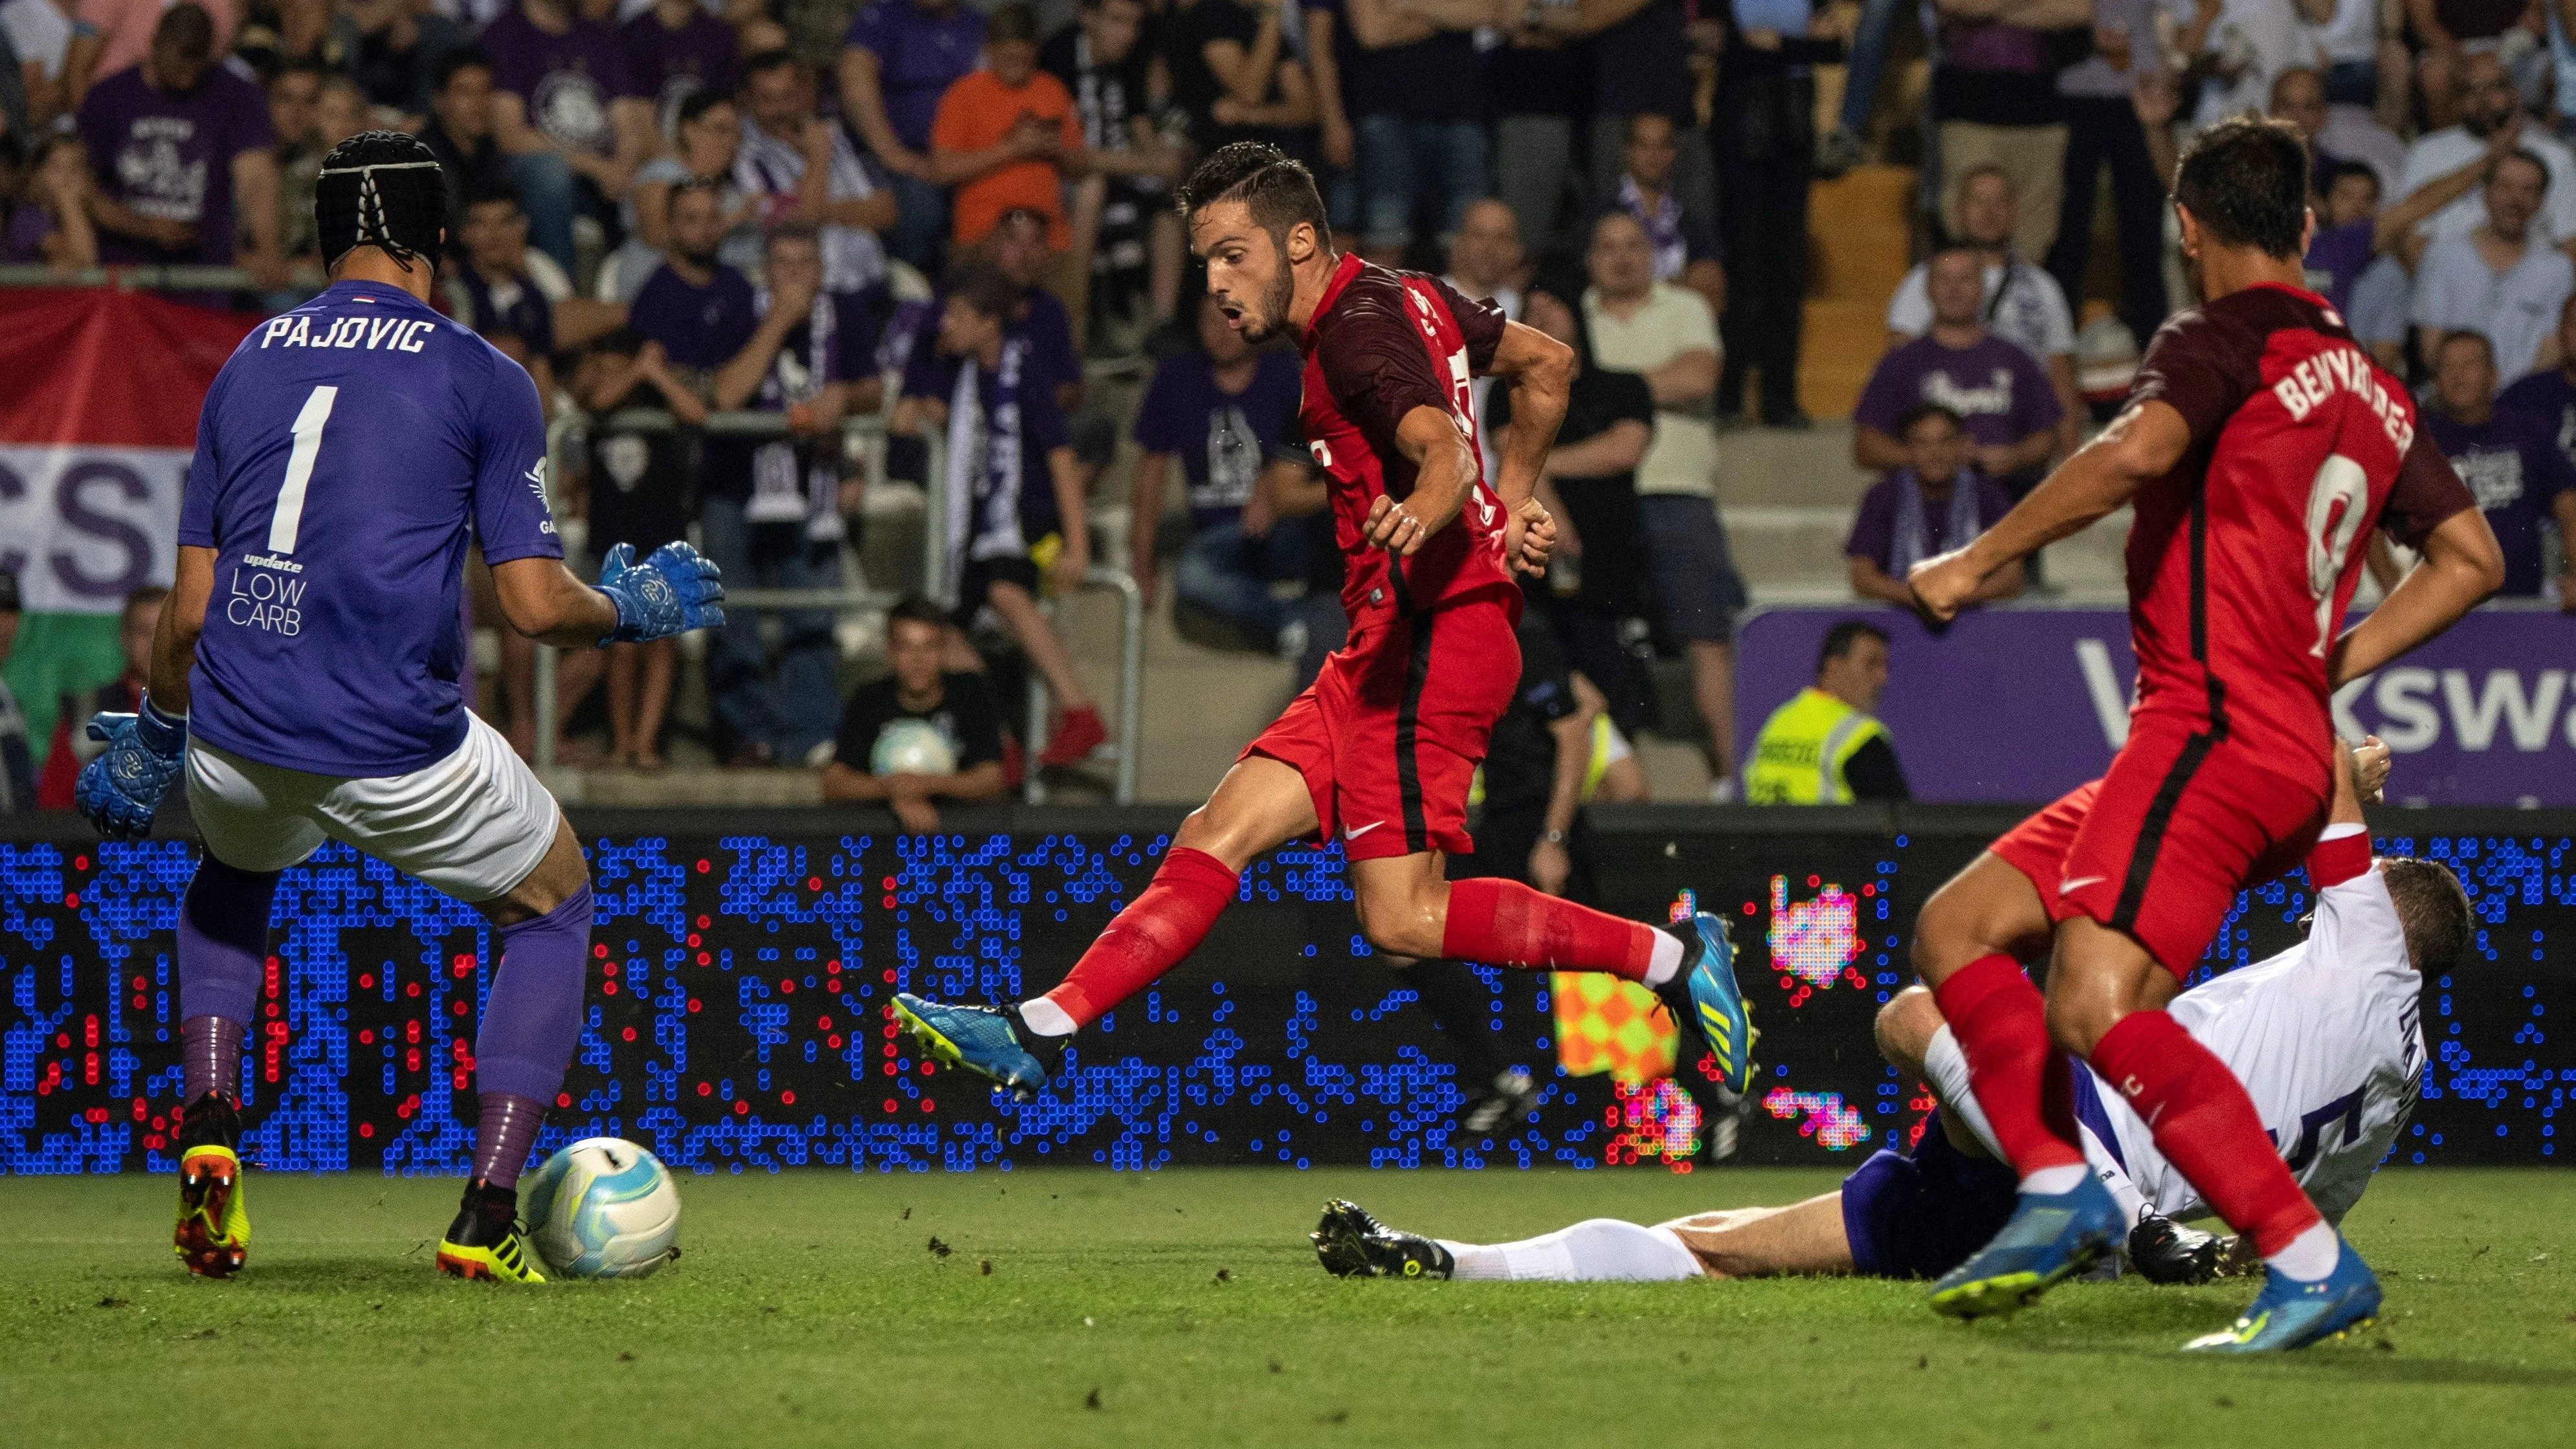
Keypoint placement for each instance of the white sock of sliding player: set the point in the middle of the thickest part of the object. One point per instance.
(1595, 1250)
(2310, 1256)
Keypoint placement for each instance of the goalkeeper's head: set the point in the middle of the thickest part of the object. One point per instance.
(385, 190)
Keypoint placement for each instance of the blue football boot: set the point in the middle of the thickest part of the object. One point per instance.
(2289, 1313)
(1711, 1008)
(991, 1042)
(2048, 1240)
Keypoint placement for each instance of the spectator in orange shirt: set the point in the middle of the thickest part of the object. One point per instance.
(1007, 136)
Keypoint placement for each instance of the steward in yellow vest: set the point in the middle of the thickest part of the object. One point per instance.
(1824, 747)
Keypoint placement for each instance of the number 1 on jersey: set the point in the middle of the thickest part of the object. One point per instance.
(299, 469)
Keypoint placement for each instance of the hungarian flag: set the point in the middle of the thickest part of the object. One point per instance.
(98, 417)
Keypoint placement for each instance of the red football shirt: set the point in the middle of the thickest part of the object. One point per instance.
(1381, 344)
(2243, 559)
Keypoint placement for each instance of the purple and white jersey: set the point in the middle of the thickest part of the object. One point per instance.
(344, 454)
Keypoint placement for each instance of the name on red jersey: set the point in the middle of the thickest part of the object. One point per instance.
(2308, 386)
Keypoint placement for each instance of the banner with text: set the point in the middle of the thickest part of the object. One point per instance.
(2023, 703)
(96, 428)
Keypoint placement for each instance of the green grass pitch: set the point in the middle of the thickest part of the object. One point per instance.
(1184, 1308)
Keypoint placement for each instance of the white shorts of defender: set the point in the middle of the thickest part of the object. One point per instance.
(473, 825)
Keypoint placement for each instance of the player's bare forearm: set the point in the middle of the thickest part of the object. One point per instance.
(2462, 565)
(1538, 370)
(183, 618)
(543, 601)
(2139, 446)
(1444, 469)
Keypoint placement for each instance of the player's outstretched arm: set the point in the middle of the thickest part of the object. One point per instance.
(121, 789)
(2141, 444)
(671, 592)
(1538, 372)
(2461, 566)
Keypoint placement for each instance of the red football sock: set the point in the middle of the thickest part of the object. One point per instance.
(2206, 1125)
(2020, 1078)
(1150, 937)
(1505, 923)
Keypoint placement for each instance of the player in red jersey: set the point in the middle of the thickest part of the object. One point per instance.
(2258, 445)
(1379, 751)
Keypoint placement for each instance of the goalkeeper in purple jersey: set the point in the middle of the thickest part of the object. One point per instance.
(304, 677)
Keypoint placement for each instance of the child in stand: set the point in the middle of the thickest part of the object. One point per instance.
(638, 491)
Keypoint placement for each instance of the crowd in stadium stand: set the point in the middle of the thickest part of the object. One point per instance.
(825, 208)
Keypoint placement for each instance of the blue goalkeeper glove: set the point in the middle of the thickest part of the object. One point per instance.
(120, 790)
(669, 593)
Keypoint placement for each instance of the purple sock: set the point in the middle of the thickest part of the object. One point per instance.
(531, 1024)
(507, 1129)
(223, 942)
(210, 1046)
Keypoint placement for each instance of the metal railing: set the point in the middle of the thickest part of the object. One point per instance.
(870, 432)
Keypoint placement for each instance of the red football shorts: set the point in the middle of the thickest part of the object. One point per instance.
(2159, 847)
(1390, 733)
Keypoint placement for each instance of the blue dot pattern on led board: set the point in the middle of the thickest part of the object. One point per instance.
(736, 1013)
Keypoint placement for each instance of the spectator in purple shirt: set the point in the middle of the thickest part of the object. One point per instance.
(569, 116)
(903, 56)
(1933, 504)
(1998, 391)
(674, 50)
(2511, 461)
(1218, 411)
(182, 153)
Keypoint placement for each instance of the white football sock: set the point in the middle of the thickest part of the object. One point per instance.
(2050, 1181)
(1595, 1250)
(1946, 1068)
(1666, 962)
(1046, 1018)
(2311, 1255)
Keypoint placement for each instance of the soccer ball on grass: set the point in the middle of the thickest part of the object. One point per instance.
(602, 1208)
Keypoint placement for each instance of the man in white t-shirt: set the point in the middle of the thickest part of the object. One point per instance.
(2326, 1037)
(2502, 279)
(1667, 334)
(2023, 304)
(2488, 104)
(57, 52)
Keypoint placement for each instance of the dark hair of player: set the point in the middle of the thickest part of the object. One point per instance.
(9, 602)
(1840, 639)
(763, 62)
(462, 58)
(1016, 21)
(914, 609)
(1906, 420)
(2343, 170)
(381, 189)
(982, 286)
(2245, 180)
(698, 102)
(1280, 192)
(2432, 909)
